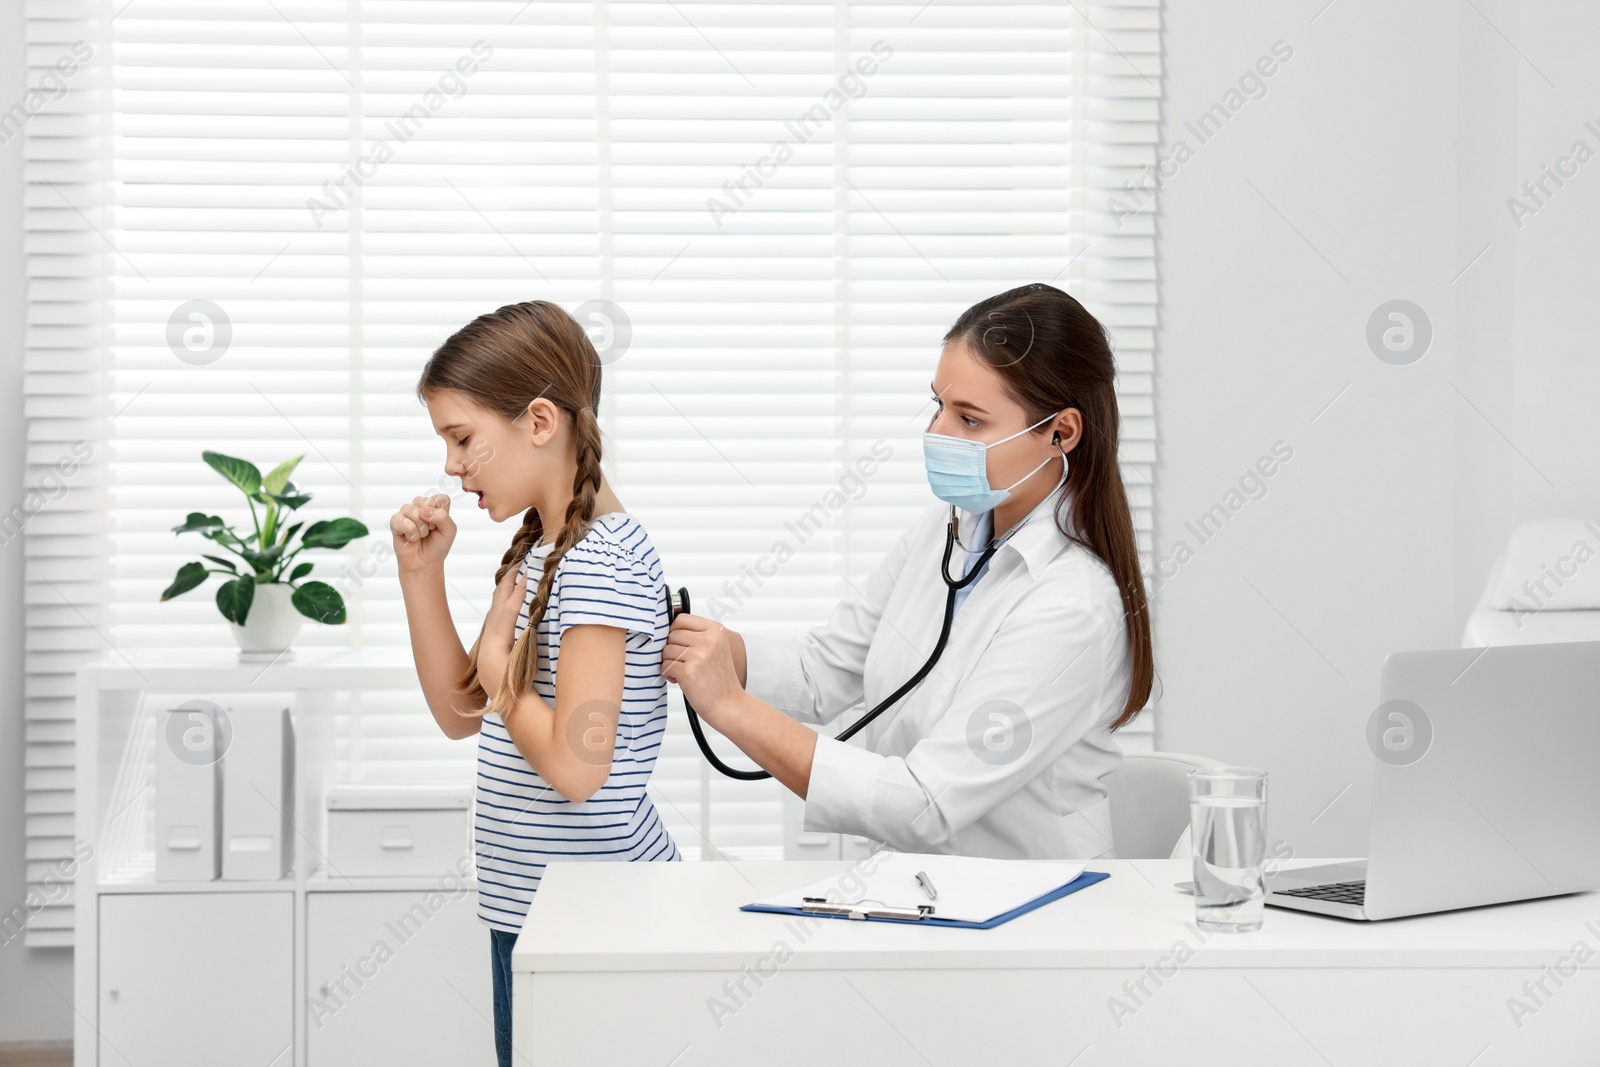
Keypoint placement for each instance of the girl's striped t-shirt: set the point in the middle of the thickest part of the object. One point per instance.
(612, 577)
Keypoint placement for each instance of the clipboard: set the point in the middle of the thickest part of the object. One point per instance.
(923, 914)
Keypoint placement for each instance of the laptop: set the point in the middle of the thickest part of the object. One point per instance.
(1484, 786)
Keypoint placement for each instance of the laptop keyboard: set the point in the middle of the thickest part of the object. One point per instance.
(1333, 892)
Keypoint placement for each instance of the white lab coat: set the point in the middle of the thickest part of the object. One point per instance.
(948, 770)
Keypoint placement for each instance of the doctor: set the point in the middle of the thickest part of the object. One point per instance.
(1003, 748)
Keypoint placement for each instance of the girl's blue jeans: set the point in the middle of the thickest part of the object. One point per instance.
(500, 944)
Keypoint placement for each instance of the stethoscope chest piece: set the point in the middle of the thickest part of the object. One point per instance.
(678, 604)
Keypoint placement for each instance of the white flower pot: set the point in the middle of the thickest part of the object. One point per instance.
(271, 626)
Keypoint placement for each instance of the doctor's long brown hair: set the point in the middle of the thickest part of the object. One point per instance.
(1052, 354)
(503, 361)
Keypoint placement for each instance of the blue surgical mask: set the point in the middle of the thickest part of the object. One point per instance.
(958, 469)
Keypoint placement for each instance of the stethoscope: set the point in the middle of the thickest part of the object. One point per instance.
(678, 603)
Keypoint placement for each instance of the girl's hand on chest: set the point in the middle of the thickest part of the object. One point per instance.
(499, 629)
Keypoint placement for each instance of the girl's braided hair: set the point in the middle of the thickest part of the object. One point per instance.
(503, 361)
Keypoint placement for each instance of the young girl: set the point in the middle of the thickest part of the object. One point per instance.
(570, 721)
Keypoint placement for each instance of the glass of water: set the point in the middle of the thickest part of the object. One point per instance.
(1228, 826)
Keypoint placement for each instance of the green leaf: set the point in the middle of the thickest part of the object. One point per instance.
(300, 572)
(228, 563)
(189, 575)
(333, 533)
(241, 472)
(278, 477)
(289, 500)
(289, 533)
(319, 601)
(235, 597)
(199, 520)
(223, 536)
(263, 560)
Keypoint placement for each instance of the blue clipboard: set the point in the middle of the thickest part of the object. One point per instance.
(1087, 878)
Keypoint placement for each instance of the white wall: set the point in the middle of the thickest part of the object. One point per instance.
(1387, 147)
(29, 1009)
(1557, 310)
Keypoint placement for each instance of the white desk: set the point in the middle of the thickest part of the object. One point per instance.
(628, 962)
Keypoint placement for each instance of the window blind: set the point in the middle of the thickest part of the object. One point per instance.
(248, 227)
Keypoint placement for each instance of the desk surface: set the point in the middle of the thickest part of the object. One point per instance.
(595, 916)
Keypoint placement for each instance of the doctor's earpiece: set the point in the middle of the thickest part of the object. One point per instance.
(1066, 464)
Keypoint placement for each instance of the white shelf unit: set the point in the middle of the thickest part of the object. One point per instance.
(235, 971)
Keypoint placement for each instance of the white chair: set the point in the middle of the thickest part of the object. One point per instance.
(1150, 804)
(1545, 586)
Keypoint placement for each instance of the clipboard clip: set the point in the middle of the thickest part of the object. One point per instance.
(855, 910)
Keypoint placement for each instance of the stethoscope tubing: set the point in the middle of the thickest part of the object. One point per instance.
(682, 605)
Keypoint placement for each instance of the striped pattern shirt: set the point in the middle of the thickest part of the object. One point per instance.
(612, 577)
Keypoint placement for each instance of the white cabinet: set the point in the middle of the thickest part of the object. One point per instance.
(397, 978)
(229, 973)
(196, 979)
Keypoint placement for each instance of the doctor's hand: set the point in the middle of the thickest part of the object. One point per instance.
(699, 658)
(499, 628)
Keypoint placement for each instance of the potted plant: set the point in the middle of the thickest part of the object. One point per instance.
(265, 606)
